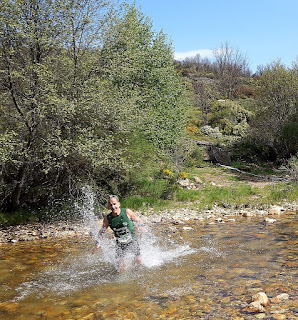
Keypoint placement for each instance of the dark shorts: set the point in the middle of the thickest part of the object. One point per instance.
(131, 247)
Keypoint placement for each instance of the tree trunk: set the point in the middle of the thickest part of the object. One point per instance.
(15, 197)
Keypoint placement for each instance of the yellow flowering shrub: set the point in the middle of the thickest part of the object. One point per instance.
(183, 175)
(167, 172)
(192, 129)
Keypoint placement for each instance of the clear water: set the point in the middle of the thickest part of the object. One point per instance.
(207, 272)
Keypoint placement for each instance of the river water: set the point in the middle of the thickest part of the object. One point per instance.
(190, 271)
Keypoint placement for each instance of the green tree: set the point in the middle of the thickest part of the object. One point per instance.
(48, 60)
(139, 64)
(278, 94)
(79, 80)
(230, 117)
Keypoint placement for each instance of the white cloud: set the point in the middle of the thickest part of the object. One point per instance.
(204, 53)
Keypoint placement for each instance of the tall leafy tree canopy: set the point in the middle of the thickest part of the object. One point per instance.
(275, 123)
(78, 79)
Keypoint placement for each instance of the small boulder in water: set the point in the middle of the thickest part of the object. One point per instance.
(280, 297)
(261, 297)
(278, 316)
(276, 210)
(247, 214)
(269, 221)
(254, 307)
(283, 296)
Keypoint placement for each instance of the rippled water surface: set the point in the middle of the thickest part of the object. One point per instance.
(190, 271)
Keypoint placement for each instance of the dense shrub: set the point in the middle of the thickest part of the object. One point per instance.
(245, 91)
(289, 137)
(291, 168)
(211, 132)
(250, 150)
(226, 114)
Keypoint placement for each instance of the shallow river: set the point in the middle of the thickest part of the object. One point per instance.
(190, 271)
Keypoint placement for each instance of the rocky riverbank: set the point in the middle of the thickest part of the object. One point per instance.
(59, 230)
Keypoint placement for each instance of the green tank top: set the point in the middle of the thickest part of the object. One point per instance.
(122, 226)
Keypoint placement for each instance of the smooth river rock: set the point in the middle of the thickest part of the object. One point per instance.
(261, 297)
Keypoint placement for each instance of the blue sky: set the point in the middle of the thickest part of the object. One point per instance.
(263, 30)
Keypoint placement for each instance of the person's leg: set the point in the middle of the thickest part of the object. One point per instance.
(138, 260)
(120, 257)
(121, 265)
(137, 252)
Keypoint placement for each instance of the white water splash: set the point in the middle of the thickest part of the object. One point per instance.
(82, 270)
(86, 270)
(154, 255)
(87, 211)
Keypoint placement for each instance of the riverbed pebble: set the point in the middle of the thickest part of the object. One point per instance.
(254, 307)
(269, 221)
(283, 296)
(187, 228)
(260, 316)
(276, 210)
(261, 297)
(278, 317)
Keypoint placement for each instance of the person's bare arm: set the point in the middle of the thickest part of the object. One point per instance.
(103, 229)
(134, 218)
(105, 224)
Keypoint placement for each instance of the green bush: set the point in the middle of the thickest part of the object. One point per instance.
(226, 114)
(291, 168)
(289, 137)
(194, 158)
(250, 150)
(22, 216)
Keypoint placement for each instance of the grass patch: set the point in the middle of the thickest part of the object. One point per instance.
(164, 193)
(211, 195)
(281, 192)
(155, 188)
(143, 203)
(233, 178)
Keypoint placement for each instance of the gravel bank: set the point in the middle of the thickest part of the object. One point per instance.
(61, 229)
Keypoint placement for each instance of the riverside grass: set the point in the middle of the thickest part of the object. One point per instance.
(163, 193)
(241, 196)
(239, 192)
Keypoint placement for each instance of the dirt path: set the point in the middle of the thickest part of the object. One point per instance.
(224, 177)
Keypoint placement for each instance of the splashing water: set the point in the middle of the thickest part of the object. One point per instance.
(152, 253)
(83, 270)
(86, 211)
(204, 272)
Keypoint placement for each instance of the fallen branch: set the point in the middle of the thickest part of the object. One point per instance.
(252, 174)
